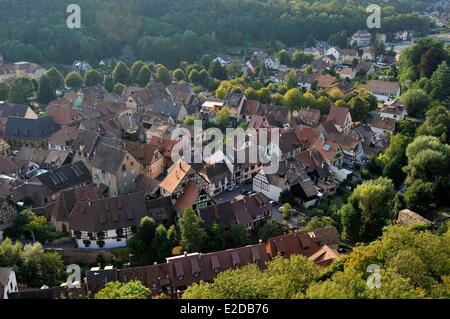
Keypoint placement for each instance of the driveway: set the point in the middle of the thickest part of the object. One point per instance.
(229, 196)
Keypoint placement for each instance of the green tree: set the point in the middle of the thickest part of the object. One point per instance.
(264, 95)
(223, 117)
(192, 232)
(74, 81)
(92, 78)
(205, 61)
(46, 92)
(121, 73)
(430, 61)
(20, 91)
(286, 211)
(440, 82)
(269, 230)
(251, 94)
(162, 75)
(359, 108)
(119, 88)
(293, 99)
(215, 238)
(291, 80)
(144, 76)
(416, 102)
(368, 210)
(283, 57)
(420, 197)
(108, 84)
(135, 70)
(194, 77)
(179, 75)
(216, 70)
(437, 123)
(131, 290)
(317, 222)
(56, 78)
(4, 91)
(236, 236)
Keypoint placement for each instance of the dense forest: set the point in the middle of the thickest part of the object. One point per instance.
(169, 31)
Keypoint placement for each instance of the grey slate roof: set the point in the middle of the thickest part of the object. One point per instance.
(30, 129)
(66, 176)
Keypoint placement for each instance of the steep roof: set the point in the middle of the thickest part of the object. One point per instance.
(66, 176)
(30, 129)
(338, 114)
(379, 86)
(108, 158)
(108, 213)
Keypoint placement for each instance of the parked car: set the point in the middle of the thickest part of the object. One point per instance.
(232, 187)
(273, 203)
(293, 210)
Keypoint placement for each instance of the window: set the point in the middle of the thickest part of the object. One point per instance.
(124, 167)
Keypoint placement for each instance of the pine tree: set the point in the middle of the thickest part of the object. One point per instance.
(46, 92)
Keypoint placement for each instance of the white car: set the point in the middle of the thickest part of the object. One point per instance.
(232, 188)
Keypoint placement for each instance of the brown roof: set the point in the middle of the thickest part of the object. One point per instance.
(249, 108)
(64, 115)
(153, 276)
(324, 256)
(65, 136)
(379, 86)
(299, 243)
(68, 199)
(307, 135)
(143, 153)
(188, 197)
(383, 123)
(175, 175)
(108, 213)
(326, 81)
(190, 268)
(309, 116)
(325, 236)
(407, 217)
(338, 114)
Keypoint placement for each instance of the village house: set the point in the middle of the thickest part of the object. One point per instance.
(318, 170)
(347, 73)
(162, 210)
(115, 168)
(178, 176)
(30, 132)
(149, 156)
(290, 177)
(234, 103)
(175, 110)
(62, 139)
(384, 91)
(306, 116)
(347, 56)
(67, 200)
(10, 72)
(341, 118)
(382, 125)
(252, 212)
(138, 98)
(17, 110)
(368, 54)
(111, 221)
(393, 110)
(194, 197)
(361, 38)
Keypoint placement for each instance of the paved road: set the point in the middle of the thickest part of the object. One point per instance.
(228, 196)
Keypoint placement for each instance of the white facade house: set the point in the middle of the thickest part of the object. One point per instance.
(393, 110)
(111, 239)
(271, 190)
(361, 38)
(8, 282)
(334, 52)
(384, 91)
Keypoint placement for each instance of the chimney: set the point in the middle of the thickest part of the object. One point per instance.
(260, 241)
(185, 254)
